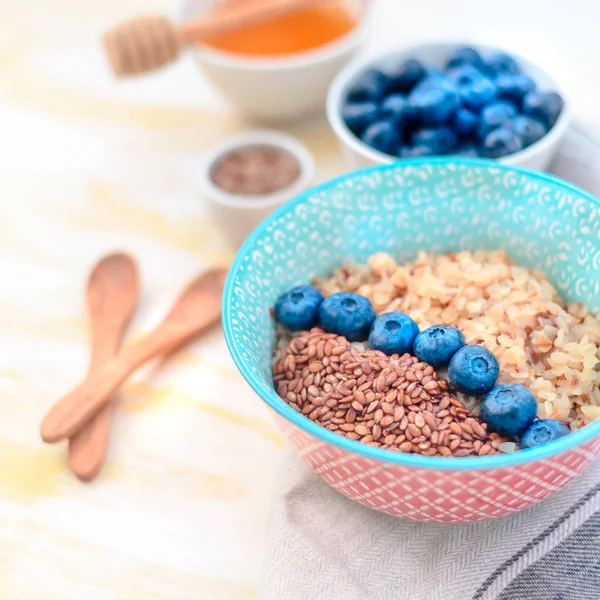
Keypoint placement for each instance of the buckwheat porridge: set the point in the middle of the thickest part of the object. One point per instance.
(398, 401)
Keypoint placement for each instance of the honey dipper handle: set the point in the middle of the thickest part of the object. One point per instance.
(239, 15)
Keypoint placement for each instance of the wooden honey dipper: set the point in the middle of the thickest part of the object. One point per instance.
(147, 43)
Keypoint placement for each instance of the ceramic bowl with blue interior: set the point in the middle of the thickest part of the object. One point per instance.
(537, 156)
(438, 205)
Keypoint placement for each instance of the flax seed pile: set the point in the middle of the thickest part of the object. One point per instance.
(393, 402)
(256, 170)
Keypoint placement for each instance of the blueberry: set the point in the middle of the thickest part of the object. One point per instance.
(416, 151)
(402, 77)
(473, 370)
(433, 101)
(438, 344)
(432, 74)
(514, 87)
(368, 87)
(543, 106)
(298, 309)
(501, 142)
(495, 115)
(393, 333)
(530, 130)
(509, 409)
(347, 314)
(394, 108)
(478, 92)
(440, 139)
(382, 136)
(464, 75)
(359, 115)
(469, 149)
(464, 56)
(432, 79)
(465, 121)
(501, 64)
(541, 432)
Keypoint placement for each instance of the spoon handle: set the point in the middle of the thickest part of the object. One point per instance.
(76, 408)
(111, 297)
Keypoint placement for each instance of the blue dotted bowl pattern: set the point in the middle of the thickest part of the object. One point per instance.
(437, 205)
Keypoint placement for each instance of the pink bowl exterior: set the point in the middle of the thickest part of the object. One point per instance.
(433, 495)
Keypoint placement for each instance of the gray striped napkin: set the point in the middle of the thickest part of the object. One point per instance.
(323, 546)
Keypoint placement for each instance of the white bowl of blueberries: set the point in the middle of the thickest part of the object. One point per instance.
(447, 99)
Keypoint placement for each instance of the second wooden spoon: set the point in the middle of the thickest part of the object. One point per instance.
(112, 293)
(198, 307)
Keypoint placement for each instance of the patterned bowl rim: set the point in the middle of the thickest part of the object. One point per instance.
(567, 442)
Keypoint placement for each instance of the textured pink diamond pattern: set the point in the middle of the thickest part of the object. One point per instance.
(434, 495)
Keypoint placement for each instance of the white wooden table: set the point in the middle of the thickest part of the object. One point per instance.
(89, 165)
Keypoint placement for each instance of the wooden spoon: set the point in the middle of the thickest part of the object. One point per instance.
(198, 307)
(148, 43)
(112, 293)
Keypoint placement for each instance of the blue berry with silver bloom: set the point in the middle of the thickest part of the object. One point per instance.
(394, 108)
(502, 64)
(465, 122)
(473, 370)
(541, 432)
(464, 74)
(474, 88)
(433, 101)
(402, 77)
(416, 151)
(545, 106)
(509, 408)
(434, 73)
(500, 142)
(438, 344)
(347, 314)
(368, 87)
(393, 333)
(440, 139)
(530, 130)
(515, 87)
(478, 93)
(359, 115)
(382, 136)
(464, 56)
(298, 308)
(495, 115)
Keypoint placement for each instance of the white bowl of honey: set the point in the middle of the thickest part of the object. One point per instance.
(281, 69)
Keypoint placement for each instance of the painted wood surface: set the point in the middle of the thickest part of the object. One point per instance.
(89, 165)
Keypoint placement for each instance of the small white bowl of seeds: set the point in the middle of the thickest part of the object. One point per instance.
(247, 176)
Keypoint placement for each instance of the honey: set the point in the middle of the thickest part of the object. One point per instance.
(297, 31)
